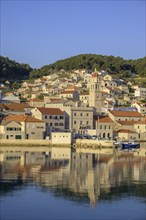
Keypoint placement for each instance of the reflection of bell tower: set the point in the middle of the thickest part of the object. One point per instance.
(91, 188)
(95, 95)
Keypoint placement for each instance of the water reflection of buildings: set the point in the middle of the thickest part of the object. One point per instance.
(83, 174)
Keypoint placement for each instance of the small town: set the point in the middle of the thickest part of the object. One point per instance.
(63, 110)
(73, 110)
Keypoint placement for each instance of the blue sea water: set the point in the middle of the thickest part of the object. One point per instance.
(70, 185)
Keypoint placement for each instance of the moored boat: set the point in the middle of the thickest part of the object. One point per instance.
(130, 145)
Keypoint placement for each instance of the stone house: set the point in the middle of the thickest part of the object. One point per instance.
(54, 118)
(140, 92)
(116, 115)
(81, 118)
(16, 108)
(71, 94)
(125, 134)
(104, 127)
(84, 98)
(140, 128)
(22, 127)
(141, 107)
(36, 102)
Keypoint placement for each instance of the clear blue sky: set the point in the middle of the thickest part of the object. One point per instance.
(42, 32)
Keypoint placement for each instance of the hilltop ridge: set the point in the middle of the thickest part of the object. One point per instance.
(125, 69)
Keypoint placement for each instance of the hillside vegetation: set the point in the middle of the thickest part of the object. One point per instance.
(13, 71)
(117, 66)
(114, 65)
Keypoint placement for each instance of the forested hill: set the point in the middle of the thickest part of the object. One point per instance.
(114, 65)
(12, 70)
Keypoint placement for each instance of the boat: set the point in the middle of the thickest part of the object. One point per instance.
(117, 144)
(130, 145)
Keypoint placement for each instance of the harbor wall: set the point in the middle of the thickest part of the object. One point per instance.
(25, 142)
(94, 143)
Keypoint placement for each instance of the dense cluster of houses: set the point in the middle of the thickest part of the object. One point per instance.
(94, 104)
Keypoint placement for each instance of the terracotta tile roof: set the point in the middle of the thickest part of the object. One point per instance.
(36, 100)
(17, 106)
(55, 99)
(72, 87)
(104, 119)
(84, 93)
(125, 113)
(68, 92)
(105, 93)
(126, 122)
(22, 118)
(125, 131)
(142, 122)
(51, 111)
(141, 104)
(109, 101)
(3, 106)
(95, 74)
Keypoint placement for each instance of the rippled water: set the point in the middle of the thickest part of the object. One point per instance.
(57, 183)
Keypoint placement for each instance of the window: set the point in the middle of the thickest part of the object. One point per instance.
(50, 117)
(61, 117)
(55, 117)
(45, 116)
(18, 137)
(61, 124)
(56, 124)
(81, 114)
(100, 126)
(75, 122)
(75, 114)
(87, 122)
(50, 124)
(80, 122)
(87, 114)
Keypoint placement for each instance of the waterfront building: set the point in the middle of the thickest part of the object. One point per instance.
(61, 138)
(54, 118)
(22, 127)
(116, 115)
(104, 127)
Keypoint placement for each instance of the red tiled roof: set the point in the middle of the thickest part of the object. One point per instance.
(125, 113)
(51, 111)
(22, 118)
(141, 104)
(104, 119)
(71, 87)
(126, 122)
(68, 92)
(36, 100)
(142, 122)
(95, 74)
(17, 106)
(125, 131)
(84, 93)
(3, 106)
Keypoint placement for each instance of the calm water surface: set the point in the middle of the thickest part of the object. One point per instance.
(57, 183)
